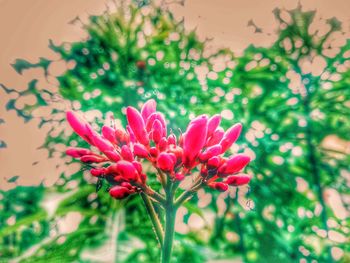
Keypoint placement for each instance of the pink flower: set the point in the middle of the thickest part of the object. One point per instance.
(230, 136)
(137, 125)
(194, 139)
(121, 154)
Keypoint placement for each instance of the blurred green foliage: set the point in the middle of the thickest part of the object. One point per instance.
(291, 97)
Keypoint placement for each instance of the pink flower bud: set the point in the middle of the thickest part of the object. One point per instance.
(148, 108)
(172, 139)
(113, 156)
(151, 119)
(102, 144)
(157, 131)
(166, 161)
(140, 150)
(127, 170)
(138, 166)
(78, 124)
(119, 192)
(98, 171)
(234, 164)
(213, 123)
(126, 153)
(122, 137)
(210, 152)
(163, 144)
(78, 152)
(231, 136)
(92, 159)
(215, 137)
(194, 139)
(131, 134)
(109, 134)
(238, 179)
(179, 177)
(222, 187)
(214, 162)
(137, 125)
(153, 151)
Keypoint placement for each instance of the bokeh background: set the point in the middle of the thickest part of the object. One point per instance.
(279, 67)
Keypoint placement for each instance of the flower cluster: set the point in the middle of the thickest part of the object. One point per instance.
(121, 152)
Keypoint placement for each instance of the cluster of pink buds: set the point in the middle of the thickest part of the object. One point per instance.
(121, 152)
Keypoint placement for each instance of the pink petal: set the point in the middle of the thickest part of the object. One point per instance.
(230, 137)
(157, 131)
(239, 179)
(78, 124)
(210, 152)
(216, 137)
(109, 134)
(194, 139)
(213, 123)
(165, 162)
(92, 159)
(98, 171)
(127, 170)
(126, 153)
(113, 156)
(137, 125)
(151, 119)
(78, 152)
(222, 187)
(140, 150)
(119, 192)
(148, 108)
(234, 164)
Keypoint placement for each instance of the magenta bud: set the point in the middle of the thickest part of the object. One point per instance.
(127, 170)
(210, 152)
(122, 137)
(138, 166)
(109, 133)
(222, 187)
(179, 177)
(113, 156)
(140, 150)
(78, 124)
(151, 119)
(126, 153)
(148, 108)
(92, 159)
(78, 152)
(157, 131)
(213, 123)
(194, 139)
(165, 161)
(98, 172)
(137, 125)
(214, 162)
(216, 137)
(238, 179)
(230, 137)
(172, 139)
(153, 151)
(119, 192)
(163, 144)
(234, 164)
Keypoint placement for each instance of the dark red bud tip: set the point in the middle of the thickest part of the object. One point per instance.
(119, 192)
(237, 180)
(222, 187)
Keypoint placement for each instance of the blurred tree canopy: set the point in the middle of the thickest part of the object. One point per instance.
(292, 97)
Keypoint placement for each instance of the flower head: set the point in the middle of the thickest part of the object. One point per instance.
(121, 153)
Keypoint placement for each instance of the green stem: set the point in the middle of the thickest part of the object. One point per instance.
(157, 226)
(170, 215)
